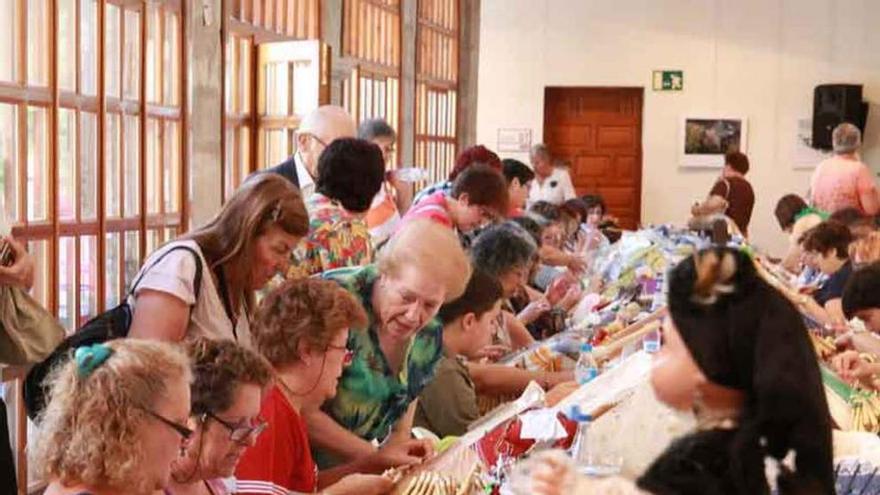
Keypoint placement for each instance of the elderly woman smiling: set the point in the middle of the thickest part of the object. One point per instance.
(420, 268)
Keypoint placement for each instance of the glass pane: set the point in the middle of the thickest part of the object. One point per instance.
(276, 146)
(67, 164)
(154, 240)
(38, 42)
(244, 75)
(66, 44)
(229, 164)
(37, 164)
(171, 59)
(170, 234)
(113, 255)
(153, 54)
(131, 191)
(154, 170)
(8, 39)
(88, 278)
(277, 89)
(131, 57)
(88, 165)
(113, 48)
(132, 260)
(171, 166)
(66, 281)
(228, 72)
(245, 150)
(9, 162)
(305, 88)
(112, 163)
(88, 51)
(40, 251)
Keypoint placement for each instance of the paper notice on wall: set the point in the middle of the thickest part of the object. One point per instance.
(804, 156)
(514, 140)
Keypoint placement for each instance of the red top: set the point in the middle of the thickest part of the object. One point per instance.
(432, 207)
(281, 460)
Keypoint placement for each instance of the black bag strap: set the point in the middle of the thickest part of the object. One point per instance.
(197, 280)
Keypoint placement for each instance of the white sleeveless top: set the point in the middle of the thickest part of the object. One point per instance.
(175, 275)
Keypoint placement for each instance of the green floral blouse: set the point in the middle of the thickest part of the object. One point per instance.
(370, 398)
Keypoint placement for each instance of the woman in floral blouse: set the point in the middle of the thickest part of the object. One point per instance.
(350, 173)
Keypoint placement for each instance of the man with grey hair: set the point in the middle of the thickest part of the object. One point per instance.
(317, 130)
(843, 181)
(551, 184)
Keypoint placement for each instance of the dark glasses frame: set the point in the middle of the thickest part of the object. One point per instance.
(181, 430)
(347, 357)
(238, 433)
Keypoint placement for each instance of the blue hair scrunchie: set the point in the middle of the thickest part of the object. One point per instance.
(89, 358)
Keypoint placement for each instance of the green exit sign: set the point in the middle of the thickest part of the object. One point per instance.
(668, 80)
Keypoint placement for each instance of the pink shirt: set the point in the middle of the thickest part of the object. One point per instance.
(837, 183)
(433, 208)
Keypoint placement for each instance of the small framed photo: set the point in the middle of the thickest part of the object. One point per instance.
(705, 140)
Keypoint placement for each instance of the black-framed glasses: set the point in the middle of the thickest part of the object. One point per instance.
(181, 430)
(347, 357)
(316, 138)
(239, 433)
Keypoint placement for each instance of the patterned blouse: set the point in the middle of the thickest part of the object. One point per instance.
(337, 238)
(370, 398)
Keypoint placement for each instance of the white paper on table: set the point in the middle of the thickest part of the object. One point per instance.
(541, 424)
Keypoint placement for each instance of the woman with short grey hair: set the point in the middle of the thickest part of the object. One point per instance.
(844, 181)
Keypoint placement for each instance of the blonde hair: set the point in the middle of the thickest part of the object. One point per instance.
(432, 249)
(90, 431)
(303, 310)
(865, 250)
(262, 201)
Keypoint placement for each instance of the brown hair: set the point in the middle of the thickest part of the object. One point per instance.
(432, 249)
(91, 428)
(484, 186)
(866, 250)
(227, 241)
(310, 311)
(737, 161)
(219, 368)
(787, 209)
(828, 235)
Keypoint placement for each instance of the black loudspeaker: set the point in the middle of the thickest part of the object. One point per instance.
(833, 104)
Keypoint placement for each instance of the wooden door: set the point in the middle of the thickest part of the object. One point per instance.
(599, 132)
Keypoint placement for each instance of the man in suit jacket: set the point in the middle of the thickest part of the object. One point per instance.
(318, 129)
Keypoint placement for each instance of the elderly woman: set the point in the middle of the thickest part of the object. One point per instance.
(394, 354)
(736, 353)
(844, 181)
(236, 253)
(130, 401)
(225, 397)
(395, 196)
(350, 173)
(302, 328)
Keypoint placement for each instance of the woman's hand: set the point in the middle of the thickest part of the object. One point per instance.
(398, 453)
(21, 272)
(571, 298)
(853, 368)
(361, 484)
(534, 310)
(492, 352)
(558, 288)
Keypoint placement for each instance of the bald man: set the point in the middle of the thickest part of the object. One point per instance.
(318, 129)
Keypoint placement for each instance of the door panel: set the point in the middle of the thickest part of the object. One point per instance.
(599, 131)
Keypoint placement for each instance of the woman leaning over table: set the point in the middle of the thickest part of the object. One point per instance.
(394, 356)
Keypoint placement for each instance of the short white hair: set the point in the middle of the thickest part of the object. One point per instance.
(846, 138)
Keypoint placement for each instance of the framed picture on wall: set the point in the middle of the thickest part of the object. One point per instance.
(705, 140)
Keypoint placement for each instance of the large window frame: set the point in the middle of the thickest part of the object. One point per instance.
(82, 110)
(436, 105)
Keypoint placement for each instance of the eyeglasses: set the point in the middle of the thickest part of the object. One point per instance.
(181, 430)
(347, 357)
(239, 433)
(316, 138)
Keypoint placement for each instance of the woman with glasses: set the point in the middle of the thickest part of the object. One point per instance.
(226, 394)
(115, 420)
(301, 328)
(397, 347)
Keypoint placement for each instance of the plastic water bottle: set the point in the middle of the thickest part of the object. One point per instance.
(580, 446)
(411, 174)
(590, 456)
(586, 368)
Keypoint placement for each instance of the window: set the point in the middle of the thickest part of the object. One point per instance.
(89, 175)
(436, 86)
(266, 90)
(371, 35)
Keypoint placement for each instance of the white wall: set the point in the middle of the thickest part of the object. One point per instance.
(756, 58)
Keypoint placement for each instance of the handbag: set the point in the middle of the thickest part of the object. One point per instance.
(111, 324)
(29, 332)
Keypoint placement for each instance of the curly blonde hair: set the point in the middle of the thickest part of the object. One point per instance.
(90, 430)
(219, 368)
(303, 310)
(431, 248)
